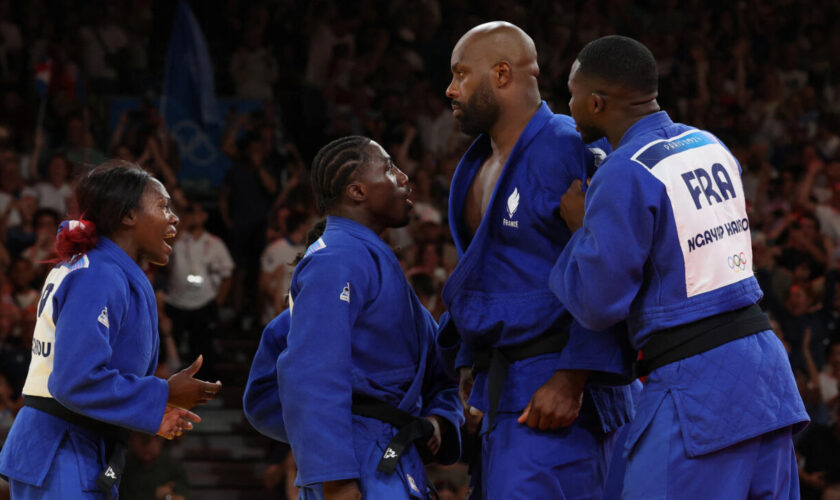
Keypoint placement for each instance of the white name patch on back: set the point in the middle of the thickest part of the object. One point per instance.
(707, 197)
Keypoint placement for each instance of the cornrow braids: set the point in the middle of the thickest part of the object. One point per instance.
(333, 166)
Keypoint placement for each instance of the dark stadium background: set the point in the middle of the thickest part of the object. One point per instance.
(86, 80)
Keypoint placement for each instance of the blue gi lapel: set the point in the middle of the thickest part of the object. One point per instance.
(138, 279)
(461, 182)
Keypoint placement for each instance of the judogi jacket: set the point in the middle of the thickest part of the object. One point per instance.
(95, 349)
(357, 328)
(498, 294)
(665, 242)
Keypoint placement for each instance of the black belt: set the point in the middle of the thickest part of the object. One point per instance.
(496, 360)
(412, 429)
(683, 341)
(116, 461)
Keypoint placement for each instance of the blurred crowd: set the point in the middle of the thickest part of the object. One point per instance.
(760, 75)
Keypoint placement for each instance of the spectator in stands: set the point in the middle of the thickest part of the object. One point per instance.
(826, 202)
(829, 378)
(245, 199)
(43, 250)
(819, 461)
(199, 281)
(22, 235)
(103, 41)
(56, 190)
(254, 68)
(276, 265)
(797, 314)
(79, 147)
(435, 124)
(20, 290)
(151, 473)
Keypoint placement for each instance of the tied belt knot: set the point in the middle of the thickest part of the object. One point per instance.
(496, 361)
(116, 460)
(683, 341)
(411, 429)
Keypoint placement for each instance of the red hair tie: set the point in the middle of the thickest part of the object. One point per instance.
(75, 237)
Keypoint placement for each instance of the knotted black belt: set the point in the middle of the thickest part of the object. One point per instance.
(497, 360)
(412, 429)
(680, 342)
(116, 461)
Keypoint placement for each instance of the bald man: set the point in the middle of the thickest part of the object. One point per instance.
(665, 225)
(547, 425)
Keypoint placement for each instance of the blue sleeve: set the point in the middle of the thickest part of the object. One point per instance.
(600, 271)
(554, 166)
(261, 401)
(607, 353)
(616, 405)
(440, 397)
(83, 379)
(315, 372)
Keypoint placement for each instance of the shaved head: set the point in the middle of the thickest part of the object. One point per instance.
(494, 77)
(497, 41)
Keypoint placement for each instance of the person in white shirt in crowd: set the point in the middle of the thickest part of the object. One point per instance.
(254, 68)
(54, 192)
(200, 272)
(277, 265)
(11, 184)
(823, 200)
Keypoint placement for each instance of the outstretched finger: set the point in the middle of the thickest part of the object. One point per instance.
(188, 415)
(525, 414)
(210, 387)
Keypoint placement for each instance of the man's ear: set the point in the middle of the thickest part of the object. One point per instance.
(501, 74)
(597, 102)
(130, 219)
(356, 191)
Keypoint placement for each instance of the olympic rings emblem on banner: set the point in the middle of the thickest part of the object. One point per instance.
(737, 262)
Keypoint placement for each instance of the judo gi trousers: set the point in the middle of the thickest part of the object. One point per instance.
(407, 482)
(72, 475)
(659, 467)
(519, 462)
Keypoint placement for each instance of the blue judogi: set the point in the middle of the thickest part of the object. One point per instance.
(666, 242)
(358, 328)
(94, 351)
(498, 295)
(261, 401)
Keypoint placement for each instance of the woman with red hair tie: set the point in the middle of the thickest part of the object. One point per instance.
(95, 346)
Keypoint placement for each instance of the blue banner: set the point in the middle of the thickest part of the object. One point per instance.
(189, 104)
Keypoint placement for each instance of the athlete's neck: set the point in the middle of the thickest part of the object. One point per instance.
(508, 128)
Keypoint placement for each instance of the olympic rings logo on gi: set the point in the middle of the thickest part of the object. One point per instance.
(737, 262)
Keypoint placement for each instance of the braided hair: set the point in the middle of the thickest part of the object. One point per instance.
(333, 166)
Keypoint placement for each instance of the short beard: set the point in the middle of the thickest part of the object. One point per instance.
(590, 133)
(480, 112)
